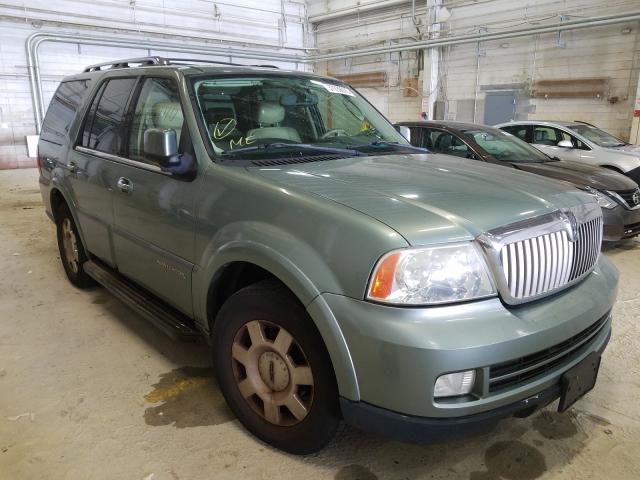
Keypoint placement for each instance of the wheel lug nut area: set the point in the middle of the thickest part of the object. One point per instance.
(273, 371)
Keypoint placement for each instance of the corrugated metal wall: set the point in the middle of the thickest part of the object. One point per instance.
(270, 25)
(467, 72)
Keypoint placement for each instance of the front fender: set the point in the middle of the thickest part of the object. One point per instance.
(287, 258)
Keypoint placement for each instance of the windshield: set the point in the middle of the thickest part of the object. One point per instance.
(597, 136)
(253, 114)
(505, 147)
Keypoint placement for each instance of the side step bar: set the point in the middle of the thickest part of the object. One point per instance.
(167, 319)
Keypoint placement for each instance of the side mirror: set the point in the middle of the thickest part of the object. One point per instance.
(404, 131)
(565, 144)
(160, 144)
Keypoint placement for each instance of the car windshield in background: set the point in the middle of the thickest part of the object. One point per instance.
(597, 136)
(276, 115)
(505, 147)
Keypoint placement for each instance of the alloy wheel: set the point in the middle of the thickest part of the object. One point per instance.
(272, 373)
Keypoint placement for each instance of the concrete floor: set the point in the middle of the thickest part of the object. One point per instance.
(89, 391)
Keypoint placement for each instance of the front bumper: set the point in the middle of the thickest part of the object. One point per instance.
(620, 223)
(408, 428)
(398, 353)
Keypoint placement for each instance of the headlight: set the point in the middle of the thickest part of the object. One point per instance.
(422, 276)
(604, 200)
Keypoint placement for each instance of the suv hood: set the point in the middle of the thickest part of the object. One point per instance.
(580, 175)
(429, 198)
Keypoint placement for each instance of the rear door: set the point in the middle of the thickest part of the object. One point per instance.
(91, 167)
(154, 230)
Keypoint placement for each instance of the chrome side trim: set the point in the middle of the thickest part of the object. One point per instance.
(123, 160)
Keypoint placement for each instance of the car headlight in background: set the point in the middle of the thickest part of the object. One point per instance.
(433, 275)
(604, 200)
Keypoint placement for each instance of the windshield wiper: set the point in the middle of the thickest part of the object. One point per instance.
(379, 142)
(307, 147)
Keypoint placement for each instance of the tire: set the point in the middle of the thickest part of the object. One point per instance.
(72, 252)
(285, 396)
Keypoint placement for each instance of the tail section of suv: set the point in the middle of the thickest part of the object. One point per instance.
(335, 273)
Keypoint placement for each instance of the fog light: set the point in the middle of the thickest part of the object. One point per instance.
(453, 384)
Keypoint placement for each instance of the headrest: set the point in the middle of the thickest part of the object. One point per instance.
(269, 113)
(168, 115)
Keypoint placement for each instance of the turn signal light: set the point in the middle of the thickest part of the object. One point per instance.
(382, 283)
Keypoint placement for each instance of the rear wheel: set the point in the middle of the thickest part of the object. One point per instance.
(72, 251)
(274, 370)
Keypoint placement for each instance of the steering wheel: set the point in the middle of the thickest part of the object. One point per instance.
(335, 132)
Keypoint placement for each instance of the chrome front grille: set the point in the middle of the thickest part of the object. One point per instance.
(541, 264)
(537, 256)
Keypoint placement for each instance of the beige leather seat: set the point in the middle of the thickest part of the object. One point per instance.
(269, 116)
(168, 115)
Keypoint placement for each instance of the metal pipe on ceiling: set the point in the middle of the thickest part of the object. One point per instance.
(483, 37)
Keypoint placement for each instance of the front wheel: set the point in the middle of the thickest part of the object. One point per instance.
(274, 370)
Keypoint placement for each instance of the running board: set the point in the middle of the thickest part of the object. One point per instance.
(167, 319)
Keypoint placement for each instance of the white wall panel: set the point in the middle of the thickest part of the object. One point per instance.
(594, 52)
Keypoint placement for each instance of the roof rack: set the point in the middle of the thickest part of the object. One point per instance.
(125, 63)
(187, 61)
(155, 61)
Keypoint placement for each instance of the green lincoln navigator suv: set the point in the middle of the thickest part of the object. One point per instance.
(337, 272)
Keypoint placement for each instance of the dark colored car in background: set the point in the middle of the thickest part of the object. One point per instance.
(618, 195)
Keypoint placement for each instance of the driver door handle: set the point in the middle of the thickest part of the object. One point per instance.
(124, 185)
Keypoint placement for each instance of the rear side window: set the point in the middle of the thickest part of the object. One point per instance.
(104, 127)
(62, 111)
(519, 131)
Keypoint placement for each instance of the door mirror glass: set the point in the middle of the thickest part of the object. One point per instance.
(404, 131)
(160, 144)
(565, 144)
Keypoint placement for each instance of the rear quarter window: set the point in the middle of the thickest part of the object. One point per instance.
(62, 111)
